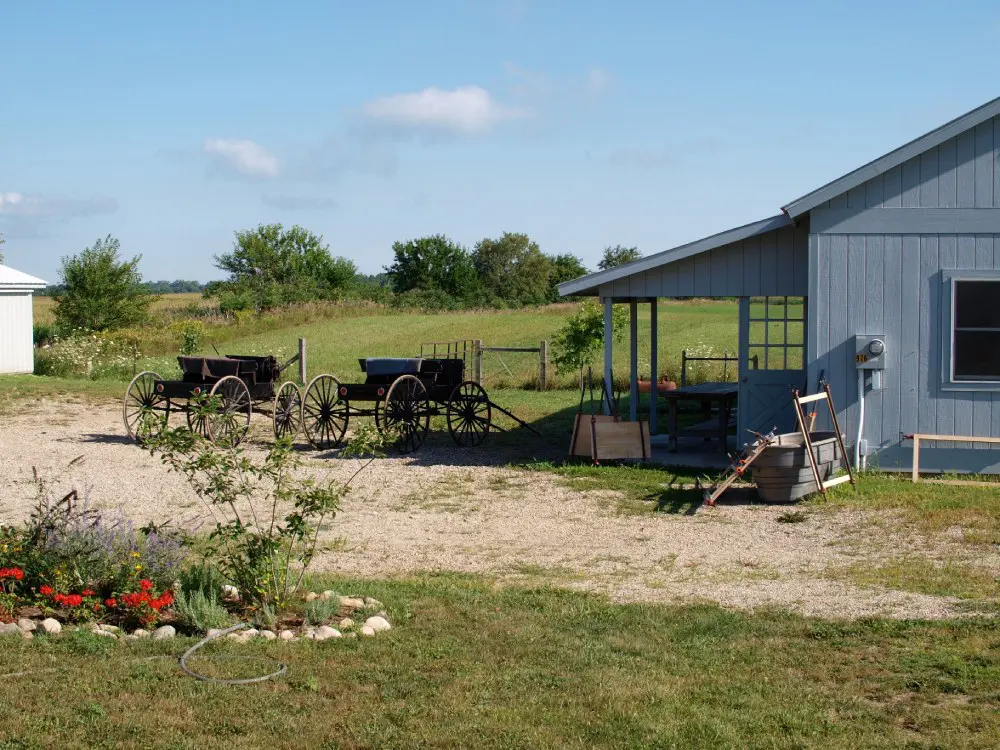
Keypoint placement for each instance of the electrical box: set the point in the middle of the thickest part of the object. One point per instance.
(869, 352)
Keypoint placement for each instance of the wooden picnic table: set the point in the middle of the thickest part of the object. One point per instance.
(723, 394)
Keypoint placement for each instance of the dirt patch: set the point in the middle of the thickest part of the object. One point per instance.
(440, 510)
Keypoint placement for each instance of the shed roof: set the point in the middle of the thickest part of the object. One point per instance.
(590, 283)
(894, 158)
(12, 280)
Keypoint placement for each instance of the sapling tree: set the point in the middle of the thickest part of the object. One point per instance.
(579, 341)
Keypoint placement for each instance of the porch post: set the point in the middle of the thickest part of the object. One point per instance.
(743, 346)
(633, 345)
(608, 341)
(654, 368)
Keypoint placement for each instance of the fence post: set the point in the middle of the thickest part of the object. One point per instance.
(302, 361)
(543, 365)
(478, 371)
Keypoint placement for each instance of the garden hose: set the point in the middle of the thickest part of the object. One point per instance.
(282, 668)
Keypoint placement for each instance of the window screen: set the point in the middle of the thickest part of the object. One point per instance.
(976, 348)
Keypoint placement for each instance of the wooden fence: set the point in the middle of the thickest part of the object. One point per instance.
(471, 351)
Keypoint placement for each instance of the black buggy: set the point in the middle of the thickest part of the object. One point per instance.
(403, 393)
(241, 383)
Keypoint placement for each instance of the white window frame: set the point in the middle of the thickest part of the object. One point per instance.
(950, 280)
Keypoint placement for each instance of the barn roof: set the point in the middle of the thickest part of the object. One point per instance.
(893, 159)
(11, 280)
(588, 284)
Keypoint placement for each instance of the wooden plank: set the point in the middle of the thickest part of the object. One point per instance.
(916, 459)
(685, 278)
(874, 192)
(800, 259)
(814, 397)
(911, 183)
(718, 283)
(841, 373)
(984, 164)
(857, 291)
(874, 323)
(928, 337)
(784, 282)
(751, 267)
(965, 438)
(907, 220)
(948, 174)
(768, 264)
(892, 307)
(702, 275)
(966, 169)
(929, 172)
(909, 334)
(835, 481)
(965, 402)
(819, 304)
(947, 258)
(892, 188)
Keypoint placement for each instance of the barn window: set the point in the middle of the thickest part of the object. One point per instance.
(976, 330)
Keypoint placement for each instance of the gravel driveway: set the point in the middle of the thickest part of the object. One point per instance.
(425, 513)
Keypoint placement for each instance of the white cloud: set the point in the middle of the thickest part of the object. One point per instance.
(243, 157)
(298, 202)
(466, 110)
(21, 206)
(598, 80)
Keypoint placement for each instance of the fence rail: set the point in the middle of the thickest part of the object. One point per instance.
(465, 349)
(725, 359)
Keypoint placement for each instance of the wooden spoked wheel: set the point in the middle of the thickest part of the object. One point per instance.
(324, 413)
(197, 420)
(469, 414)
(146, 412)
(229, 422)
(287, 410)
(407, 413)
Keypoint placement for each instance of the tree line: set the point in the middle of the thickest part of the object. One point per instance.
(271, 266)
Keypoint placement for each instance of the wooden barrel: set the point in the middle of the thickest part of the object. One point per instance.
(782, 472)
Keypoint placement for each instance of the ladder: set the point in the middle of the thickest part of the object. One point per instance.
(799, 402)
(738, 467)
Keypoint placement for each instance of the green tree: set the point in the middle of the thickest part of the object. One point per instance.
(271, 266)
(581, 338)
(513, 269)
(101, 292)
(618, 255)
(564, 267)
(433, 264)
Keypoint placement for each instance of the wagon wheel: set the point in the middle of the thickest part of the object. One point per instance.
(324, 413)
(407, 412)
(231, 421)
(197, 420)
(469, 414)
(288, 410)
(145, 411)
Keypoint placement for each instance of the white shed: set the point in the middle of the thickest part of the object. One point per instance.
(17, 346)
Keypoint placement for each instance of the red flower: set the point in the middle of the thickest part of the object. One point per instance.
(45, 590)
(146, 585)
(110, 603)
(87, 592)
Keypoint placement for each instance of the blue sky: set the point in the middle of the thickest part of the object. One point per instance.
(582, 123)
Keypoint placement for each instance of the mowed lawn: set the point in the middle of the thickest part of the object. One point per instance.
(471, 665)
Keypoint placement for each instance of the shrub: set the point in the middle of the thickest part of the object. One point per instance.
(321, 611)
(197, 611)
(580, 339)
(43, 333)
(91, 355)
(189, 333)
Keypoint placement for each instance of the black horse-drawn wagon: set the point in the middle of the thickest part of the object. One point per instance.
(403, 393)
(239, 383)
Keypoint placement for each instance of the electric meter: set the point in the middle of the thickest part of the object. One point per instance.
(869, 352)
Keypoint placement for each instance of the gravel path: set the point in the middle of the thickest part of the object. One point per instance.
(424, 513)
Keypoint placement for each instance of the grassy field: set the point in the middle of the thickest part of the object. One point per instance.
(471, 665)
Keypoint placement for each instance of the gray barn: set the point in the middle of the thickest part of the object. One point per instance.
(904, 248)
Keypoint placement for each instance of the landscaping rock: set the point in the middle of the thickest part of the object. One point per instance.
(110, 628)
(27, 634)
(140, 633)
(378, 624)
(325, 632)
(26, 625)
(164, 632)
(327, 595)
(286, 635)
(268, 635)
(236, 636)
(249, 632)
(309, 634)
(368, 630)
(346, 623)
(373, 603)
(51, 626)
(10, 628)
(350, 603)
(212, 632)
(104, 633)
(311, 596)
(230, 593)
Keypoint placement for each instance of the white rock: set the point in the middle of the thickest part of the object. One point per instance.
(51, 626)
(27, 635)
(105, 633)
(373, 603)
(10, 628)
(249, 632)
(212, 632)
(140, 633)
(26, 625)
(327, 595)
(311, 596)
(286, 635)
(309, 634)
(351, 603)
(350, 635)
(230, 593)
(368, 630)
(378, 624)
(163, 632)
(268, 635)
(130, 637)
(236, 636)
(346, 623)
(325, 632)
(110, 628)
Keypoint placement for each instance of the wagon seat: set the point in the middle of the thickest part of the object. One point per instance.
(387, 369)
(207, 369)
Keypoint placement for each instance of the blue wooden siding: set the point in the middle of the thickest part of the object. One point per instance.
(890, 283)
(775, 263)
